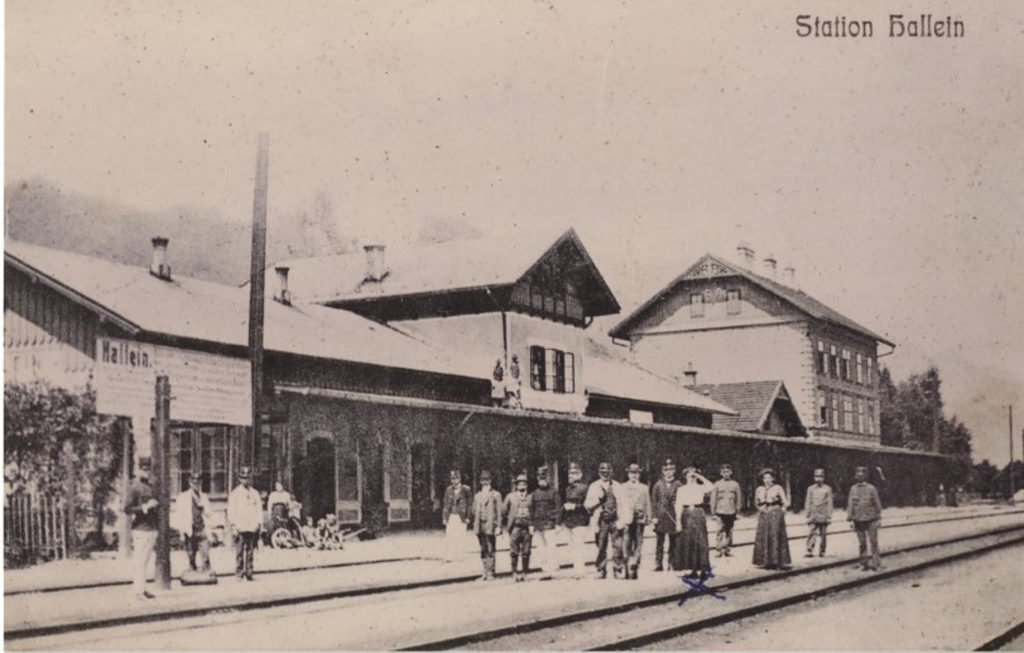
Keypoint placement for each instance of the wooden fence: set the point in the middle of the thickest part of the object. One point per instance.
(36, 526)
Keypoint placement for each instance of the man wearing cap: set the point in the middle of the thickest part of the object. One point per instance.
(725, 504)
(544, 516)
(602, 500)
(245, 515)
(515, 515)
(141, 506)
(818, 510)
(191, 518)
(663, 498)
(864, 512)
(487, 522)
(458, 503)
(633, 514)
(576, 519)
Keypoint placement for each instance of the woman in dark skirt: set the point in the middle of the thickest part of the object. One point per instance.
(692, 544)
(771, 546)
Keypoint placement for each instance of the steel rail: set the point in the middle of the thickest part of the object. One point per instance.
(379, 561)
(461, 641)
(671, 632)
(326, 595)
(1004, 638)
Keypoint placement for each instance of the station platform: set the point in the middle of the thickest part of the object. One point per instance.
(427, 544)
(88, 604)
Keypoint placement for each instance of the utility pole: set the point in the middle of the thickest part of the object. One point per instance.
(258, 262)
(162, 479)
(124, 530)
(1013, 489)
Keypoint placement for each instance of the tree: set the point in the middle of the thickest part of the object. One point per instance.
(890, 419)
(56, 444)
(955, 442)
(919, 406)
(983, 479)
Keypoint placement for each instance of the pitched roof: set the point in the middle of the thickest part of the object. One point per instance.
(201, 310)
(752, 400)
(423, 269)
(799, 299)
(608, 372)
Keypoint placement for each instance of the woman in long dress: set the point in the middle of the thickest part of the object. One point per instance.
(692, 524)
(771, 545)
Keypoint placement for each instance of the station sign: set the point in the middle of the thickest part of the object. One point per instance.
(204, 387)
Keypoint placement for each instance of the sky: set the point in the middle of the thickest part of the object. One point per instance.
(888, 172)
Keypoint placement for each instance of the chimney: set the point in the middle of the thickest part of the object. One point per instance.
(691, 375)
(769, 266)
(159, 267)
(789, 276)
(745, 255)
(376, 267)
(281, 293)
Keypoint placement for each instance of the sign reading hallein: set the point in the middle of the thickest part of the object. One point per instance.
(204, 387)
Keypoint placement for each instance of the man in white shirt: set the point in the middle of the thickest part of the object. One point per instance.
(245, 514)
(191, 517)
(634, 514)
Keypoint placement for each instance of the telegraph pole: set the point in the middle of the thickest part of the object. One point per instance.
(1013, 489)
(162, 481)
(256, 291)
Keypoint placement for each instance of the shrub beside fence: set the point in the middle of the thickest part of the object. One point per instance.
(35, 529)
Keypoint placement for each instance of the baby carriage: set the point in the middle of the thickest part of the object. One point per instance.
(286, 529)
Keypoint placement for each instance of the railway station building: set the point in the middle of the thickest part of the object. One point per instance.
(386, 368)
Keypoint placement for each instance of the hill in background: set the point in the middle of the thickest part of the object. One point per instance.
(204, 244)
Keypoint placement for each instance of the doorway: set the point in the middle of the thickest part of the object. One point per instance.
(320, 498)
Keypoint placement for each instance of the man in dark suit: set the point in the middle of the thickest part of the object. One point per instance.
(663, 498)
(864, 512)
(487, 522)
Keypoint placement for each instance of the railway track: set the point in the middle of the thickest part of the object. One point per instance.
(934, 519)
(221, 608)
(1003, 639)
(648, 610)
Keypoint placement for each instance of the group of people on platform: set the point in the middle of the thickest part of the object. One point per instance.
(617, 513)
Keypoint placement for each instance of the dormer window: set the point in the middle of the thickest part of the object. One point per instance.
(696, 305)
(732, 302)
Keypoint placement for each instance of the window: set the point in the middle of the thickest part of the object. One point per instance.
(537, 377)
(732, 302)
(861, 425)
(203, 449)
(696, 305)
(552, 370)
(870, 373)
(833, 417)
(823, 409)
(847, 414)
(570, 372)
(556, 370)
(844, 366)
(822, 362)
(860, 369)
(833, 361)
(871, 417)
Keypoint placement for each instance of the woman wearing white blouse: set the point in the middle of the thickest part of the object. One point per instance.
(771, 545)
(692, 524)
